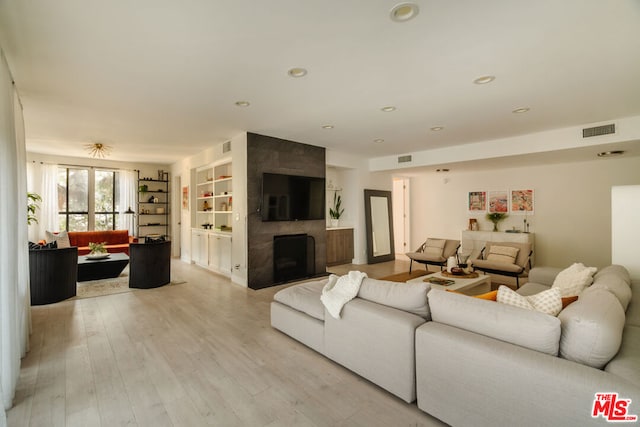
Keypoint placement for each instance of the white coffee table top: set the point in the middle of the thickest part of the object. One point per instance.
(475, 285)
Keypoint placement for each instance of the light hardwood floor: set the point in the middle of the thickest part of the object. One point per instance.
(194, 354)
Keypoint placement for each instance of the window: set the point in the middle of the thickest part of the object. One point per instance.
(87, 199)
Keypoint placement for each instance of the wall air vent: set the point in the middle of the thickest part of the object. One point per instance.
(226, 147)
(404, 159)
(599, 130)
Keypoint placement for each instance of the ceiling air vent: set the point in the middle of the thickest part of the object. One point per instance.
(226, 147)
(599, 130)
(404, 159)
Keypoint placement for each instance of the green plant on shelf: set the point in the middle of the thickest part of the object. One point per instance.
(336, 211)
(495, 218)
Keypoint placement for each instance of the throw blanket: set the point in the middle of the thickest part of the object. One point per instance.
(340, 290)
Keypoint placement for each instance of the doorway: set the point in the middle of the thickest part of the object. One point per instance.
(401, 216)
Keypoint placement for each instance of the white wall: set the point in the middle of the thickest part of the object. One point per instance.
(625, 227)
(572, 220)
(351, 173)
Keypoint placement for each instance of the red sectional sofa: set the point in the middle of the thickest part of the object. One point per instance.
(117, 240)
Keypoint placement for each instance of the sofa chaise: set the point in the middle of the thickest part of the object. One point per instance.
(375, 335)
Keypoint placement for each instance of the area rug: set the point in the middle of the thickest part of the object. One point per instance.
(403, 277)
(116, 285)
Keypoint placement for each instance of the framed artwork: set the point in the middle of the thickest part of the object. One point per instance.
(185, 197)
(522, 202)
(498, 201)
(477, 201)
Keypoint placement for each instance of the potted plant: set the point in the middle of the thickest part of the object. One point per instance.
(336, 211)
(495, 218)
(97, 248)
(32, 205)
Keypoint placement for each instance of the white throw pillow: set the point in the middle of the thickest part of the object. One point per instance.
(506, 254)
(434, 247)
(548, 302)
(61, 239)
(574, 279)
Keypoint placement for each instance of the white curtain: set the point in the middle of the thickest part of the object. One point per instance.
(42, 179)
(14, 274)
(128, 194)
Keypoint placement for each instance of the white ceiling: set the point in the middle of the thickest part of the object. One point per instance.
(158, 79)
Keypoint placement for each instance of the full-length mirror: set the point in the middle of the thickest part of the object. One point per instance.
(378, 219)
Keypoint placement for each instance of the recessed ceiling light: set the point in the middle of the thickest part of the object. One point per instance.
(437, 128)
(388, 108)
(243, 103)
(297, 72)
(378, 141)
(403, 12)
(484, 80)
(611, 153)
(327, 126)
(520, 110)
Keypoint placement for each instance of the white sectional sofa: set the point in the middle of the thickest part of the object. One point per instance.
(472, 362)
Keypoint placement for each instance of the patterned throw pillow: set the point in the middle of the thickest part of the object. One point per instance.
(62, 239)
(549, 301)
(505, 254)
(434, 247)
(574, 279)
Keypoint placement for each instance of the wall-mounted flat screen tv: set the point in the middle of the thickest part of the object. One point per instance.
(292, 197)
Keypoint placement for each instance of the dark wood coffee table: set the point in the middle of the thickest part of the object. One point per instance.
(104, 268)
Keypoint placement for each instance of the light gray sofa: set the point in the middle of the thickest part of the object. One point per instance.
(375, 336)
(472, 362)
(479, 363)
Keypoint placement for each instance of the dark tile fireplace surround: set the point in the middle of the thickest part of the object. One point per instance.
(265, 267)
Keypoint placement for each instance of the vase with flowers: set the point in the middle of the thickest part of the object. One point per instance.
(495, 218)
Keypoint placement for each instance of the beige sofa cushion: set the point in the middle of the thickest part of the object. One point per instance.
(592, 328)
(304, 297)
(626, 364)
(616, 285)
(506, 254)
(618, 270)
(433, 248)
(574, 279)
(410, 297)
(526, 328)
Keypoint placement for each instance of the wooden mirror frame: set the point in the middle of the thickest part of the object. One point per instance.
(371, 258)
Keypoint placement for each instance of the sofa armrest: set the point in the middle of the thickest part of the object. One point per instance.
(376, 342)
(544, 275)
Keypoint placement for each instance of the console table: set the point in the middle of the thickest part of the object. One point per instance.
(477, 239)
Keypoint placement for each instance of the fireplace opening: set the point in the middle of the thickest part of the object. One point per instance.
(293, 257)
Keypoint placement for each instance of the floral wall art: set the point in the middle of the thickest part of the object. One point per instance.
(522, 202)
(498, 201)
(477, 201)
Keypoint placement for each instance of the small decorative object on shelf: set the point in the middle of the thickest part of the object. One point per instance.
(495, 218)
(156, 191)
